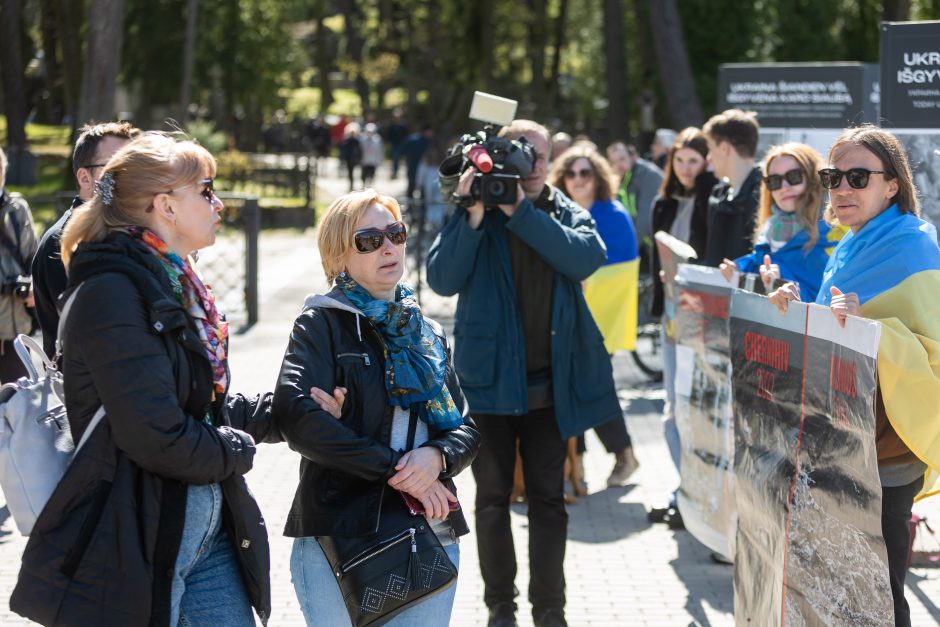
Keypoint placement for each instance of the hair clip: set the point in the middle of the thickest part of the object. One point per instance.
(105, 188)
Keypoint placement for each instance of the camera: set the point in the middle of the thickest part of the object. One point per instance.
(500, 163)
(19, 286)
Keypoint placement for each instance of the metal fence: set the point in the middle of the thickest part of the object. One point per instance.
(230, 267)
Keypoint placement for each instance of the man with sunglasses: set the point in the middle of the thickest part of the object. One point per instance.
(531, 362)
(732, 208)
(96, 144)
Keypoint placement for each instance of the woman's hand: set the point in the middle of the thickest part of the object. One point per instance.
(769, 272)
(332, 405)
(727, 268)
(436, 500)
(476, 210)
(843, 305)
(417, 470)
(781, 297)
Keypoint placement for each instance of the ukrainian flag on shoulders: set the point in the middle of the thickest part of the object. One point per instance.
(611, 292)
(893, 264)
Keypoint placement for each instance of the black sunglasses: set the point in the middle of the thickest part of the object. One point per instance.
(857, 178)
(208, 189)
(775, 181)
(370, 240)
(585, 173)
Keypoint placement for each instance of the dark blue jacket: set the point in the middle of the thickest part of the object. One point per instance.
(489, 351)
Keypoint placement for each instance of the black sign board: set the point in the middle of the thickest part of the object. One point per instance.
(910, 74)
(801, 95)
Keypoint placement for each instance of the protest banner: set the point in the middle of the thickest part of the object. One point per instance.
(703, 407)
(672, 252)
(809, 548)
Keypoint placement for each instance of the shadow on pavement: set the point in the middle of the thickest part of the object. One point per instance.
(912, 583)
(709, 584)
(4, 516)
(601, 517)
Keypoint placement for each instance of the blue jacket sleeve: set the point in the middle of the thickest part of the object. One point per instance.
(451, 257)
(575, 251)
(752, 261)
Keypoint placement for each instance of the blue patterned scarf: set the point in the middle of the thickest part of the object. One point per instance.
(415, 360)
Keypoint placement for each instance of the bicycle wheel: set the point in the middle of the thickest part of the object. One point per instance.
(648, 355)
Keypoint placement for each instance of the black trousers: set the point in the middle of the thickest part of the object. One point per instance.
(895, 527)
(543, 463)
(11, 367)
(612, 434)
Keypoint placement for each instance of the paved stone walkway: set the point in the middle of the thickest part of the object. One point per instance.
(620, 569)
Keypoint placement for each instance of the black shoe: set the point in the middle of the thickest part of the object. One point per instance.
(502, 615)
(553, 617)
(718, 558)
(657, 514)
(673, 519)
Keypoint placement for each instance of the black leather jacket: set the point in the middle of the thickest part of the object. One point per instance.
(347, 462)
(104, 549)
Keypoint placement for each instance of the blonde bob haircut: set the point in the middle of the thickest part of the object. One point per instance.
(810, 202)
(338, 224)
(152, 164)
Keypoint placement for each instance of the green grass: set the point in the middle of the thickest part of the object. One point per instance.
(43, 138)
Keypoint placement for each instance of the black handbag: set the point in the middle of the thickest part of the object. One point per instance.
(383, 574)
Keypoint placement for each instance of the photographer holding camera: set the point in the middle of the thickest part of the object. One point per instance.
(17, 247)
(530, 359)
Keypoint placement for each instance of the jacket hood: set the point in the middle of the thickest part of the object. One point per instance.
(334, 299)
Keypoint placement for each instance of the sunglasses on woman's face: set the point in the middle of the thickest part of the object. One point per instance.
(775, 181)
(370, 240)
(857, 178)
(208, 191)
(584, 174)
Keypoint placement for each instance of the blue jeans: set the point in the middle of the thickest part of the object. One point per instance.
(322, 602)
(207, 585)
(670, 431)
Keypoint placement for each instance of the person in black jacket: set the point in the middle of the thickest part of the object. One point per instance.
(732, 146)
(680, 209)
(153, 523)
(94, 146)
(372, 361)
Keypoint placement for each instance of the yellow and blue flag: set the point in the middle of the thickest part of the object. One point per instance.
(893, 264)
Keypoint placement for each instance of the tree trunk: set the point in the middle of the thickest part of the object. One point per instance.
(674, 65)
(105, 30)
(558, 44)
(49, 26)
(11, 65)
(322, 61)
(354, 45)
(615, 70)
(896, 10)
(70, 18)
(189, 53)
(538, 38)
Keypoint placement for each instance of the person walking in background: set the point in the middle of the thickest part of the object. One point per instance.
(732, 209)
(663, 139)
(350, 152)
(395, 134)
(413, 150)
(639, 182)
(561, 142)
(382, 378)
(17, 247)
(680, 209)
(611, 292)
(887, 268)
(532, 363)
(372, 153)
(95, 145)
(152, 523)
(791, 240)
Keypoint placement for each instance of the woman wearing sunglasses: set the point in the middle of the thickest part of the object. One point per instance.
(887, 268)
(381, 376)
(791, 240)
(153, 522)
(585, 176)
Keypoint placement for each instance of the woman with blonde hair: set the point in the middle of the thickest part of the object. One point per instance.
(386, 431)
(152, 524)
(792, 241)
(887, 268)
(585, 176)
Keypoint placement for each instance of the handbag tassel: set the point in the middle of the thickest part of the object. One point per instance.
(414, 564)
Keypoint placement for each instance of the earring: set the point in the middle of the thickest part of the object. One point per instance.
(342, 274)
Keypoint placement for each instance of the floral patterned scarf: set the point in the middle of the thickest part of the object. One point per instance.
(198, 301)
(415, 360)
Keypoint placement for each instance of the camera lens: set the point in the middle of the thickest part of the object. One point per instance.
(496, 189)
